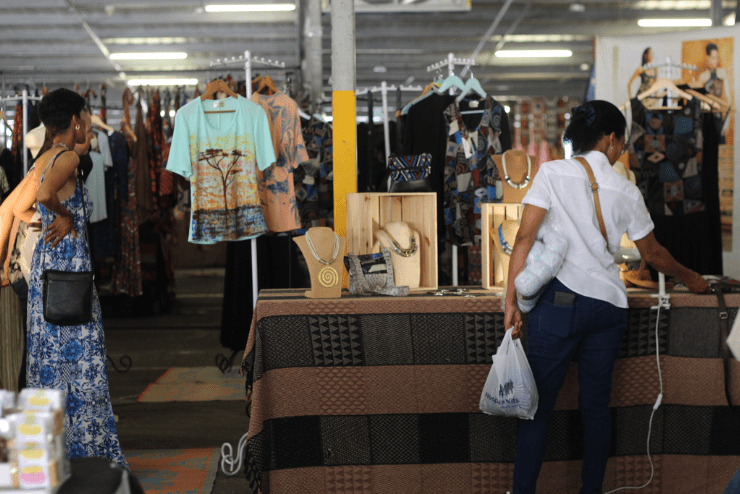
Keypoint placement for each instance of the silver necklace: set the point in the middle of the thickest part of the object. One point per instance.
(506, 174)
(61, 145)
(316, 255)
(400, 250)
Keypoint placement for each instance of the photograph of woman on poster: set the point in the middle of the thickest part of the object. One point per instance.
(647, 76)
(718, 82)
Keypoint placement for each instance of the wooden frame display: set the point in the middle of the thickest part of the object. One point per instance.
(494, 267)
(368, 212)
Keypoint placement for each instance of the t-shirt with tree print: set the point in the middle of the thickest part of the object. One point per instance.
(220, 153)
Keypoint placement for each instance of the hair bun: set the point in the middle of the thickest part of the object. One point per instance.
(587, 111)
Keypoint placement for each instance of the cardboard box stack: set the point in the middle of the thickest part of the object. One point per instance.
(33, 453)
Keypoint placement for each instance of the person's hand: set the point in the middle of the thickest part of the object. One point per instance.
(59, 228)
(513, 317)
(697, 284)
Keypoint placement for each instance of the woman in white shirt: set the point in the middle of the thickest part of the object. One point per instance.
(584, 309)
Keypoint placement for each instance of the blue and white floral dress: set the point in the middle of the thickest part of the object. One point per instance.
(72, 358)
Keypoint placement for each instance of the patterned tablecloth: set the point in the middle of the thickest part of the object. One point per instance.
(380, 395)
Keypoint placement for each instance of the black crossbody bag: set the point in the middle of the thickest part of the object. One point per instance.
(68, 295)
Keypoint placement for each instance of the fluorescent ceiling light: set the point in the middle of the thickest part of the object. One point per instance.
(264, 7)
(729, 20)
(534, 53)
(162, 82)
(149, 56)
(672, 5)
(674, 22)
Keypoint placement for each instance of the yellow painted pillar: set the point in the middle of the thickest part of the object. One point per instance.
(344, 128)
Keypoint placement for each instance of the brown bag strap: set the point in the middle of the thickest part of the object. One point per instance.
(595, 190)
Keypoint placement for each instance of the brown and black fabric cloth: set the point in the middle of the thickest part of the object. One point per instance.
(380, 395)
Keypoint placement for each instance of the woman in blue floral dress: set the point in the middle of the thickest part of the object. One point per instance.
(69, 358)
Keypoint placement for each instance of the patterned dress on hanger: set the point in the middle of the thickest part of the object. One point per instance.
(72, 358)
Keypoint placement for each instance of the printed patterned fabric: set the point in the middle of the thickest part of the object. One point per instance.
(72, 358)
(220, 153)
(410, 168)
(470, 174)
(277, 190)
(389, 388)
(668, 158)
(127, 274)
(314, 178)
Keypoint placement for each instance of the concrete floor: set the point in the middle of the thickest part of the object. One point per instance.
(187, 335)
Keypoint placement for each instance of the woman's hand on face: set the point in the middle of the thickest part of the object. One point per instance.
(513, 317)
(59, 228)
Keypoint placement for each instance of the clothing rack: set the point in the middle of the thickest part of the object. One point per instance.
(450, 64)
(227, 453)
(384, 88)
(25, 98)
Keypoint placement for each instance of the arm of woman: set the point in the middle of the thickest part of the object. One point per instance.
(659, 258)
(634, 76)
(532, 218)
(55, 178)
(23, 206)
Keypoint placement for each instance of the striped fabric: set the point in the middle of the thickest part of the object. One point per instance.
(380, 395)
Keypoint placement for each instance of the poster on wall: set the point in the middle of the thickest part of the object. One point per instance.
(701, 61)
(713, 59)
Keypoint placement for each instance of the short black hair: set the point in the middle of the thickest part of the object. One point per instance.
(710, 47)
(591, 121)
(57, 109)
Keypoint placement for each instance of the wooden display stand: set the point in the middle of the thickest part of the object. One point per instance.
(494, 273)
(368, 212)
(326, 280)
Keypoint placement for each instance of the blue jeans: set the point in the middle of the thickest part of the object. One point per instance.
(734, 486)
(594, 329)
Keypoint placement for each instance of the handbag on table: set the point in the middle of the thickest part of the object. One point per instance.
(372, 273)
(547, 255)
(68, 295)
(410, 173)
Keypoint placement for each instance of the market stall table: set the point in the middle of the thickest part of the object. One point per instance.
(380, 395)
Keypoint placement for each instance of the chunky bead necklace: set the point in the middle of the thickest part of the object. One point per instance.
(506, 174)
(400, 250)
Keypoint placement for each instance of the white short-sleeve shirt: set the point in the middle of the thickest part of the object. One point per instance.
(563, 188)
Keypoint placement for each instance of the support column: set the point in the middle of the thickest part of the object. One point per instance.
(344, 108)
(313, 34)
(715, 12)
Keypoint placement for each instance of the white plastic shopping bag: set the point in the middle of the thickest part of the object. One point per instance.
(510, 389)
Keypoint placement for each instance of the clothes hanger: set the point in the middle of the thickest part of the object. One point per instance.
(472, 85)
(452, 81)
(430, 89)
(266, 83)
(664, 83)
(214, 87)
(96, 120)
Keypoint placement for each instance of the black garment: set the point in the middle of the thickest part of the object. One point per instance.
(85, 166)
(676, 166)
(280, 265)
(426, 132)
(370, 172)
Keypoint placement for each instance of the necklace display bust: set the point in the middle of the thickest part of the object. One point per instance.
(404, 245)
(324, 253)
(503, 236)
(518, 167)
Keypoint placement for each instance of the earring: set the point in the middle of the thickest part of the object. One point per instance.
(77, 127)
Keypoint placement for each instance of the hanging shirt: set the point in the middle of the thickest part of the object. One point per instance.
(95, 184)
(220, 154)
(277, 192)
(470, 174)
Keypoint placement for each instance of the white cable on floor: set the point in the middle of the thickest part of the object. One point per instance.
(227, 456)
(661, 302)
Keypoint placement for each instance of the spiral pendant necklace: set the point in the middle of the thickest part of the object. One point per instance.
(506, 173)
(328, 276)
